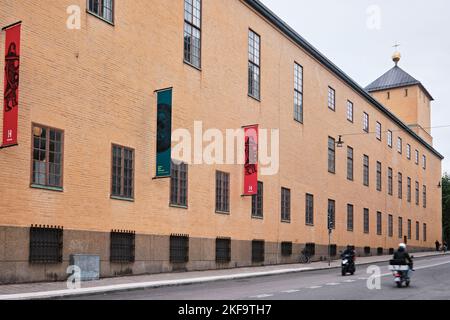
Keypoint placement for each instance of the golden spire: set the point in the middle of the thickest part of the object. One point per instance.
(397, 55)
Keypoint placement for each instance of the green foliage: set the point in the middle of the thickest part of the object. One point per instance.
(446, 206)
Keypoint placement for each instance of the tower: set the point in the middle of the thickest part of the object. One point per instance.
(405, 97)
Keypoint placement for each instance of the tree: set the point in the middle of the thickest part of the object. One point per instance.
(446, 207)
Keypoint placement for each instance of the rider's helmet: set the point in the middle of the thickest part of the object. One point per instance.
(402, 246)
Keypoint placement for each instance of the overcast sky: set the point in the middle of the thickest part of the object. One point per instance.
(358, 36)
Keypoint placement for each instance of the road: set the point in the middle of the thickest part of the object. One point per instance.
(430, 281)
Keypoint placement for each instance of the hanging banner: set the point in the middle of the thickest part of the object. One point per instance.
(251, 161)
(164, 134)
(11, 87)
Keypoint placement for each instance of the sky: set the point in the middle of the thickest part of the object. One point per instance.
(358, 36)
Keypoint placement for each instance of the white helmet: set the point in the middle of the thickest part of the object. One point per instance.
(402, 245)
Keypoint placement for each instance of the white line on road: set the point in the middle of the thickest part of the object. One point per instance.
(333, 284)
(290, 291)
(350, 281)
(262, 296)
(315, 287)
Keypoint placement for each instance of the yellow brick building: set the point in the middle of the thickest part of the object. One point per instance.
(95, 85)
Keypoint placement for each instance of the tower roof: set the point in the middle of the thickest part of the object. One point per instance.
(395, 78)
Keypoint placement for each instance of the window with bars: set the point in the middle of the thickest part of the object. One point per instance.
(409, 229)
(391, 225)
(179, 248)
(379, 223)
(258, 252)
(380, 251)
(192, 32)
(366, 221)
(285, 204)
(350, 213)
(417, 193)
(379, 173)
(367, 250)
(417, 231)
(408, 151)
(416, 158)
(179, 185)
(298, 93)
(46, 245)
(424, 195)
(286, 249)
(102, 8)
(122, 246)
(331, 214)
(309, 209)
(408, 191)
(222, 192)
(310, 249)
(331, 99)
(400, 227)
(366, 170)
(350, 110)
(254, 65)
(390, 182)
(350, 166)
(122, 172)
(258, 202)
(47, 157)
(400, 185)
(399, 145)
(331, 155)
(223, 250)
(378, 131)
(425, 232)
(389, 138)
(366, 122)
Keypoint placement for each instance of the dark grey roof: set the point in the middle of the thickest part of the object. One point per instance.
(395, 78)
(299, 40)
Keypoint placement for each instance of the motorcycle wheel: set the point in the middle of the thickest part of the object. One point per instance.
(353, 273)
(407, 284)
(344, 273)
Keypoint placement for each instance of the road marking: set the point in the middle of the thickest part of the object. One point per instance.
(315, 287)
(262, 296)
(333, 284)
(350, 281)
(362, 278)
(290, 291)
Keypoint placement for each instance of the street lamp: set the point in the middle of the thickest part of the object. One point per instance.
(340, 143)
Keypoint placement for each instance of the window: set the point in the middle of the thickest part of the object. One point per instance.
(409, 190)
(366, 122)
(254, 57)
(298, 93)
(46, 245)
(258, 203)
(285, 204)
(409, 229)
(389, 138)
(178, 185)
(309, 209)
(179, 248)
(408, 151)
(331, 214)
(425, 232)
(223, 250)
(400, 228)
(379, 173)
(366, 221)
(103, 9)
(390, 182)
(367, 251)
(406, 92)
(350, 209)
(417, 231)
(366, 170)
(417, 193)
(286, 249)
(331, 99)
(388, 95)
(379, 223)
(47, 157)
(378, 131)
(258, 251)
(391, 226)
(331, 155)
(424, 162)
(122, 172)
(122, 247)
(417, 157)
(399, 145)
(222, 192)
(192, 32)
(400, 186)
(350, 111)
(332, 249)
(350, 163)
(424, 200)
(310, 249)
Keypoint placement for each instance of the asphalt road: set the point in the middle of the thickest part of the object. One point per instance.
(430, 281)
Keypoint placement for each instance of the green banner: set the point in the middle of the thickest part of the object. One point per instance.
(164, 134)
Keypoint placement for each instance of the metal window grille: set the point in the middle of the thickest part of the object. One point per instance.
(222, 192)
(223, 250)
(310, 249)
(258, 202)
(258, 251)
(179, 184)
(331, 98)
(122, 248)
(179, 248)
(122, 172)
(254, 76)
(298, 92)
(286, 249)
(309, 209)
(331, 155)
(380, 251)
(285, 204)
(192, 32)
(46, 244)
(332, 249)
(367, 250)
(102, 8)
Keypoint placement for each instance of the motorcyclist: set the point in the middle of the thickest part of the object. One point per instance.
(402, 255)
(350, 252)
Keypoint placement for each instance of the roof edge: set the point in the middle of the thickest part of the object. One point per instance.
(418, 83)
(294, 36)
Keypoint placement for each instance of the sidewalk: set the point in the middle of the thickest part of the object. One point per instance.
(59, 289)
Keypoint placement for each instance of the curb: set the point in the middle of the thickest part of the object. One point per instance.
(171, 283)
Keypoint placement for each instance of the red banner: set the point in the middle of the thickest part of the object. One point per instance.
(251, 161)
(11, 88)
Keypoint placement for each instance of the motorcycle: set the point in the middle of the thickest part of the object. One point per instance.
(400, 271)
(348, 264)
